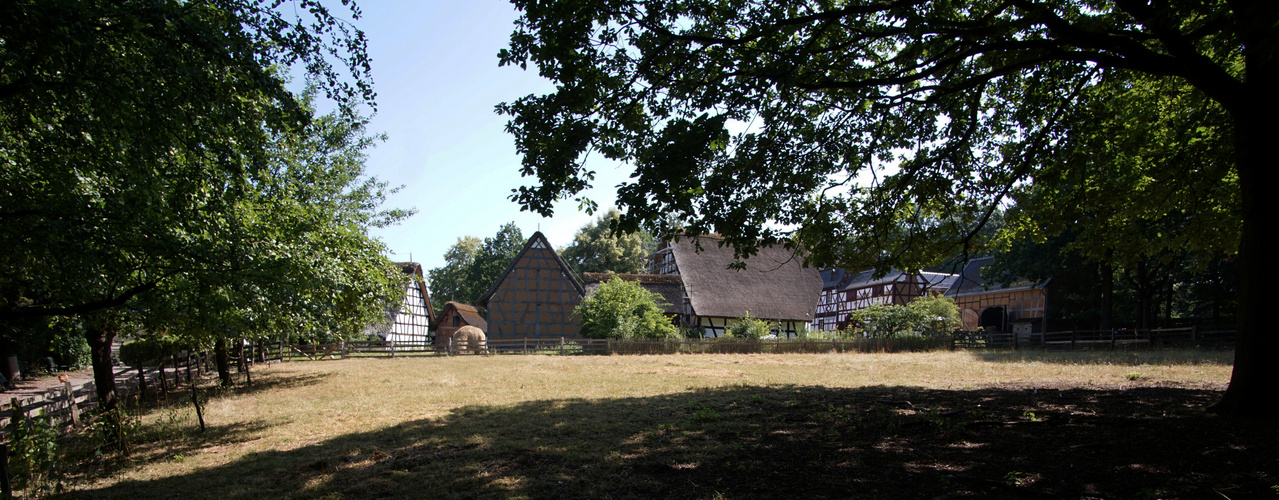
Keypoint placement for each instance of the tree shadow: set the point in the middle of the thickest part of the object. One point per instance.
(774, 442)
(1109, 357)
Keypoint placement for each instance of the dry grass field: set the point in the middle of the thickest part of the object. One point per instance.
(939, 424)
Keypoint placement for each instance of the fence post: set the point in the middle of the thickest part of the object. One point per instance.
(71, 406)
(342, 348)
(392, 342)
(1112, 339)
(1194, 334)
(525, 346)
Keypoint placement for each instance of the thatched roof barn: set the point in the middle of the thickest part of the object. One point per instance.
(992, 304)
(773, 286)
(456, 315)
(408, 319)
(669, 286)
(535, 297)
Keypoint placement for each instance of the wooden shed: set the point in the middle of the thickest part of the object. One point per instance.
(456, 315)
(774, 285)
(535, 297)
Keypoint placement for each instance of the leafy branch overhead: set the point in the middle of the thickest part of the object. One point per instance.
(888, 133)
(803, 120)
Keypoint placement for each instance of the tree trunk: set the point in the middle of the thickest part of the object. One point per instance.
(223, 360)
(100, 338)
(1256, 374)
(1106, 273)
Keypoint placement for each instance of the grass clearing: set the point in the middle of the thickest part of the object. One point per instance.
(688, 426)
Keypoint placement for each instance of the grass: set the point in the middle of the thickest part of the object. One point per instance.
(587, 426)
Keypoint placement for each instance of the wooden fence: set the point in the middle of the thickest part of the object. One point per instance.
(1193, 336)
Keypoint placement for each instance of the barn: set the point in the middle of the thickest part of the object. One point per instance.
(535, 297)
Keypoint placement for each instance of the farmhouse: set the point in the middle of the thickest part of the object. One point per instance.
(456, 315)
(844, 292)
(1020, 304)
(535, 297)
(773, 286)
(409, 319)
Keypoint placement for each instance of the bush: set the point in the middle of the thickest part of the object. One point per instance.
(749, 328)
(623, 310)
(931, 315)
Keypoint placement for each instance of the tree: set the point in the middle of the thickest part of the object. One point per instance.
(449, 282)
(472, 266)
(134, 135)
(621, 309)
(600, 247)
(964, 101)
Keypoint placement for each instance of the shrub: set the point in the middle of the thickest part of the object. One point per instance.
(750, 328)
(622, 309)
(931, 315)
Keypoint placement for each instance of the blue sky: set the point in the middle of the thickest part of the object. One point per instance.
(436, 74)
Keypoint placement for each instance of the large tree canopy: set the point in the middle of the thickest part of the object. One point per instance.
(886, 132)
(599, 248)
(154, 165)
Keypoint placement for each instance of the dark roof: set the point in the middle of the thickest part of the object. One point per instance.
(774, 284)
(934, 281)
(970, 281)
(669, 286)
(832, 278)
(538, 240)
(468, 312)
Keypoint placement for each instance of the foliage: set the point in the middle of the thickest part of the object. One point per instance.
(621, 309)
(471, 267)
(939, 313)
(148, 350)
(448, 283)
(35, 457)
(931, 316)
(114, 430)
(602, 247)
(893, 131)
(749, 328)
(128, 127)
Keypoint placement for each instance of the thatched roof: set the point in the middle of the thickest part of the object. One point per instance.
(669, 286)
(469, 313)
(970, 281)
(774, 284)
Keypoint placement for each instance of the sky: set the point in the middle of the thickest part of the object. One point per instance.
(436, 74)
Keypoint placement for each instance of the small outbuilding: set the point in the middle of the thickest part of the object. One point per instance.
(456, 315)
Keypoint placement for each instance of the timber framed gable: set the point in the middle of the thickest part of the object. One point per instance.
(535, 297)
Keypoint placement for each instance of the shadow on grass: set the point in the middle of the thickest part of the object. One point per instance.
(773, 442)
(1109, 357)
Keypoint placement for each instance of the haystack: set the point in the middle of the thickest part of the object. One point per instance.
(469, 338)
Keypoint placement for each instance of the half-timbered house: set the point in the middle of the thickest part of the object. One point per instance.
(773, 286)
(408, 319)
(844, 292)
(995, 305)
(535, 297)
(456, 315)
